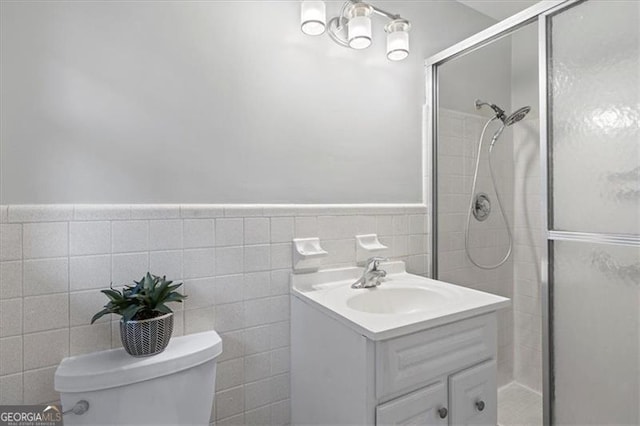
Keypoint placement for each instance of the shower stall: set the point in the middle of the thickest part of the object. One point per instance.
(534, 144)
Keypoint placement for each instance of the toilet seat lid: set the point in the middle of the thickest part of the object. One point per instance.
(115, 367)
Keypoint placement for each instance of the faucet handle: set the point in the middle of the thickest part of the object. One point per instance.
(373, 263)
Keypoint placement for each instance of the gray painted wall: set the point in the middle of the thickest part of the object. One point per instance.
(481, 74)
(212, 102)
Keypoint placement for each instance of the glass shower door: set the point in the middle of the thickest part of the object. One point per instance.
(593, 113)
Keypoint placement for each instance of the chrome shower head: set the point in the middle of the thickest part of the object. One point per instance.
(507, 121)
(499, 111)
(516, 116)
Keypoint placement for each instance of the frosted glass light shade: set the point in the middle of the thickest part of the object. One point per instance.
(359, 29)
(397, 39)
(313, 17)
(397, 45)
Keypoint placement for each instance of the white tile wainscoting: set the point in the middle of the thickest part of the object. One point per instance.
(234, 260)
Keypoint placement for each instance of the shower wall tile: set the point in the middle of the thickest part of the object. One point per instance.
(127, 267)
(38, 385)
(89, 238)
(306, 227)
(10, 355)
(199, 233)
(45, 240)
(167, 263)
(130, 236)
(229, 232)
(45, 276)
(89, 338)
(11, 389)
(257, 285)
(235, 263)
(528, 257)
(201, 291)
(199, 320)
(48, 312)
(282, 229)
(488, 240)
(229, 260)
(45, 349)
(281, 256)
(83, 305)
(165, 234)
(10, 279)
(257, 258)
(40, 213)
(199, 263)
(259, 416)
(231, 374)
(11, 317)
(228, 289)
(257, 230)
(10, 242)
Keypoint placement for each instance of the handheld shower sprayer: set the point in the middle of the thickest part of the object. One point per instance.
(473, 204)
(507, 121)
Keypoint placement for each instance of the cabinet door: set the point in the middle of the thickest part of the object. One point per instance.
(473, 395)
(426, 406)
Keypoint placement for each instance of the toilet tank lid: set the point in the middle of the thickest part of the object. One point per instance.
(115, 367)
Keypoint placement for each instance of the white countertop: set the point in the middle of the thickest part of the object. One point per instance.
(439, 302)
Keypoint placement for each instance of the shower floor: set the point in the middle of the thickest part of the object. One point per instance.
(519, 406)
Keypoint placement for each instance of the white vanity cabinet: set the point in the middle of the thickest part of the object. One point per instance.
(443, 375)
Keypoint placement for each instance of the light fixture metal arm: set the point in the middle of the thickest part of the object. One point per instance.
(333, 28)
(384, 13)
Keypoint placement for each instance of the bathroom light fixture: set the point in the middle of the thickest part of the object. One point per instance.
(352, 26)
(397, 39)
(313, 17)
(359, 26)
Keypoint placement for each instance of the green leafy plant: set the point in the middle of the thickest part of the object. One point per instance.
(145, 299)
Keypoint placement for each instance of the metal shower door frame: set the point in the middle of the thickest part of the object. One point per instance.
(540, 13)
(552, 235)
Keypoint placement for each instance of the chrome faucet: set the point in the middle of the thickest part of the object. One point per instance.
(372, 273)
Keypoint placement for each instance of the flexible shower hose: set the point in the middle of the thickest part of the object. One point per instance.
(473, 191)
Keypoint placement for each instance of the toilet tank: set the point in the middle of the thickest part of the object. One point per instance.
(175, 387)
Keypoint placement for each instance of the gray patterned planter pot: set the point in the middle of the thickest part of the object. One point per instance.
(146, 337)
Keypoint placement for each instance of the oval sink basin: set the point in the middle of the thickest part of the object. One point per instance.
(385, 300)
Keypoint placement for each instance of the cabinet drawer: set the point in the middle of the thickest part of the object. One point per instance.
(408, 362)
(418, 408)
(473, 396)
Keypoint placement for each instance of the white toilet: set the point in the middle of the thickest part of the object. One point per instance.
(175, 387)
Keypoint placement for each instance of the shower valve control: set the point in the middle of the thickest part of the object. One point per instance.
(481, 207)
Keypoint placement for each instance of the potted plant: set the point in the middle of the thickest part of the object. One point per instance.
(147, 322)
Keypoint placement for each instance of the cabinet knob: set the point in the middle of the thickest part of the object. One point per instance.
(443, 412)
(480, 405)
